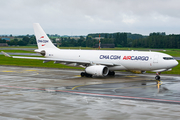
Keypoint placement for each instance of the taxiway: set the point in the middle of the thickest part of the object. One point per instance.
(39, 93)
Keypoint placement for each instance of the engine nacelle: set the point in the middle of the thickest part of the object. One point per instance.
(97, 70)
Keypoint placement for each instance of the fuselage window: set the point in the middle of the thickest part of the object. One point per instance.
(168, 58)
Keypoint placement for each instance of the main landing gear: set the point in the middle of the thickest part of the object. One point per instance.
(84, 74)
(111, 73)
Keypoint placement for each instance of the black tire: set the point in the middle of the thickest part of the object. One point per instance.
(111, 73)
(88, 75)
(82, 74)
(157, 77)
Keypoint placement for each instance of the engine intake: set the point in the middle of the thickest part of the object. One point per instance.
(97, 70)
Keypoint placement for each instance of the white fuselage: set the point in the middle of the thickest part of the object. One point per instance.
(122, 60)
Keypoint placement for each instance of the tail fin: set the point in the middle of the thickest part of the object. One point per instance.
(42, 39)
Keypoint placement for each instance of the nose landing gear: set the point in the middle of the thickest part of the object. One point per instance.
(158, 76)
(158, 79)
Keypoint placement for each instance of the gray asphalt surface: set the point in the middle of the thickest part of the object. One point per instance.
(53, 94)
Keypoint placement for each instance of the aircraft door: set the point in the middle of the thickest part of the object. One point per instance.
(155, 60)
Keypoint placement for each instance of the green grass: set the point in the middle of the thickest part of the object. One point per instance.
(35, 47)
(18, 51)
(174, 53)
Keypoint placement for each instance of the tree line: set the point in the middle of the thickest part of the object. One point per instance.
(20, 40)
(154, 40)
(157, 40)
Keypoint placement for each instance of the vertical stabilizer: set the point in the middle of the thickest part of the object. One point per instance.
(42, 39)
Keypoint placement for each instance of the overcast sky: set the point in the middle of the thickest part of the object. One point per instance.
(81, 17)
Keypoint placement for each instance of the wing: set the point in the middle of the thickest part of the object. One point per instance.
(67, 61)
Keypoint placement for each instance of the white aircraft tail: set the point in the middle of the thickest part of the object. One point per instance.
(42, 39)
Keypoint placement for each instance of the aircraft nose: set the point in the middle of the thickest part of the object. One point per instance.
(175, 63)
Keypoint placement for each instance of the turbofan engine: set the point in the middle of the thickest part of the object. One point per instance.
(97, 70)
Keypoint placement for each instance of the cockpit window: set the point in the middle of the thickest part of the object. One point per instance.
(168, 58)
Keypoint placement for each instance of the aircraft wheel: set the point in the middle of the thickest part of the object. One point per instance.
(82, 74)
(88, 75)
(111, 73)
(157, 77)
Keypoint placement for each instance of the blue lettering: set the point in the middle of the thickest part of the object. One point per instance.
(112, 57)
(104, 56)
(43, 41)
(136, 58)
(143, 58)
(119, 57)
(132, 58)
(115, 57)
(101, 56)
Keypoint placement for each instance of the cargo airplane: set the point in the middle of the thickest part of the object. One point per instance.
(101, 62)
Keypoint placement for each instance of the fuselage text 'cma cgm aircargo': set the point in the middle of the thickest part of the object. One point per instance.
(101, 62)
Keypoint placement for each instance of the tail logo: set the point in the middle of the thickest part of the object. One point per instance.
(41, 37)
(42, 41)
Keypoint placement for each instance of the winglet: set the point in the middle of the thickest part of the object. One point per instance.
(7, 55)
